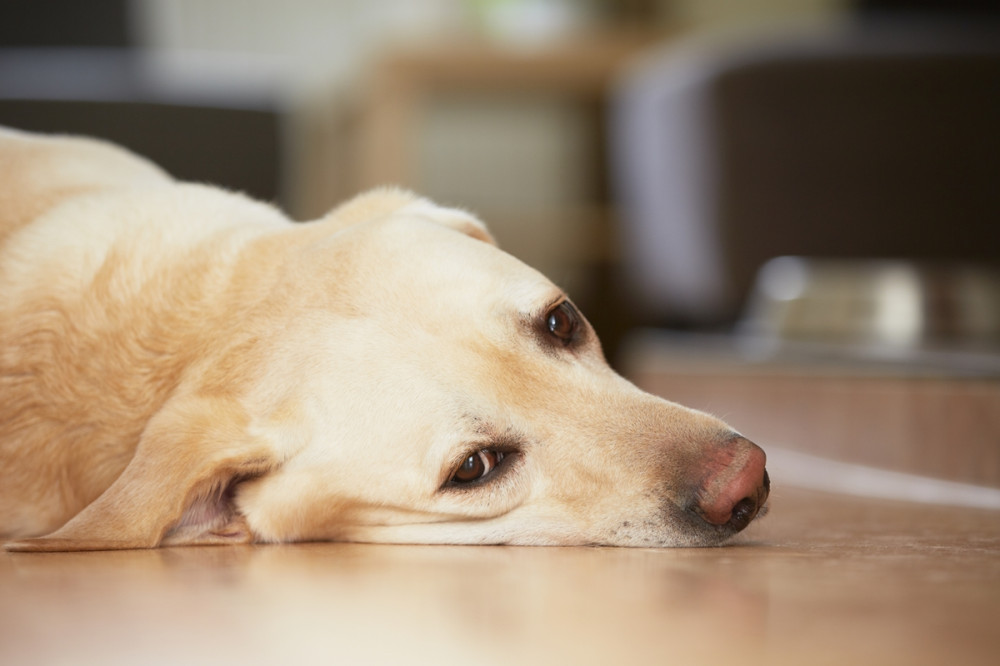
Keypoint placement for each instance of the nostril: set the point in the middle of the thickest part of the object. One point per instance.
(744, 512)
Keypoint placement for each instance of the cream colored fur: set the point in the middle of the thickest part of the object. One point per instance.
(180, 364)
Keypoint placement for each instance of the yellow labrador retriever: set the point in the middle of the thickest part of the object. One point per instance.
(182, 365)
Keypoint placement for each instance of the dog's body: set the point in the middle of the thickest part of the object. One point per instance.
(183, 365)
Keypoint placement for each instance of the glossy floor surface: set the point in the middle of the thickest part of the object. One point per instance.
(823, 579)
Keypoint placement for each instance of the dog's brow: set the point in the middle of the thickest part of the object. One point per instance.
(492, 433)
(551, 302)
(539, 307)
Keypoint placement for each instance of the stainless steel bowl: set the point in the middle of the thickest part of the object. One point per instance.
(883, 304)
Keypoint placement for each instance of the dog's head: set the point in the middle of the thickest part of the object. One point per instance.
(401, 379)
(447, 393)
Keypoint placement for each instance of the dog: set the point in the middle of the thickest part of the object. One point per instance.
(182, 365)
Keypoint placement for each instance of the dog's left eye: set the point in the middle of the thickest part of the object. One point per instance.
(477, 466)
(563, 322)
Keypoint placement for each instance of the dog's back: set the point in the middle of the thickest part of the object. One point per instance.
(39, 172)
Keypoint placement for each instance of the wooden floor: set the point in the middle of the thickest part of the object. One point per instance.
(823, 579)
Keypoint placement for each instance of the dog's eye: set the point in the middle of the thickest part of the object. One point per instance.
(477, 466)
(563, 322)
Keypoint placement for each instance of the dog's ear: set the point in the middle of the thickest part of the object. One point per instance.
(369, 205)
(454, 218)
(178, 487)
(387, 200)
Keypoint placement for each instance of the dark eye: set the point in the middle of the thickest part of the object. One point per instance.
(563, 322)
(477, 466)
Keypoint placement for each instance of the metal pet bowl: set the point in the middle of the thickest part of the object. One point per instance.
(889, 305)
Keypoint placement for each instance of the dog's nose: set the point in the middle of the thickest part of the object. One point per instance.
(736, 485)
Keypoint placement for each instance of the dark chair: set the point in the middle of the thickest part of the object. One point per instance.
(861, 140)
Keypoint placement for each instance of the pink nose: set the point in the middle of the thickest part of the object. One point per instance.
(736, 485)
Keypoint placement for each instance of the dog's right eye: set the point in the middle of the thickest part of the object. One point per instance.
(563, 323)
(477, 466)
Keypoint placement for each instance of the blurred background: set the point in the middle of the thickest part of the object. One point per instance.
(755, 191)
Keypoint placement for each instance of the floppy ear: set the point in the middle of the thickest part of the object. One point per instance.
(177, 489)
(368, 206)
(386, 200)
(454, 218)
